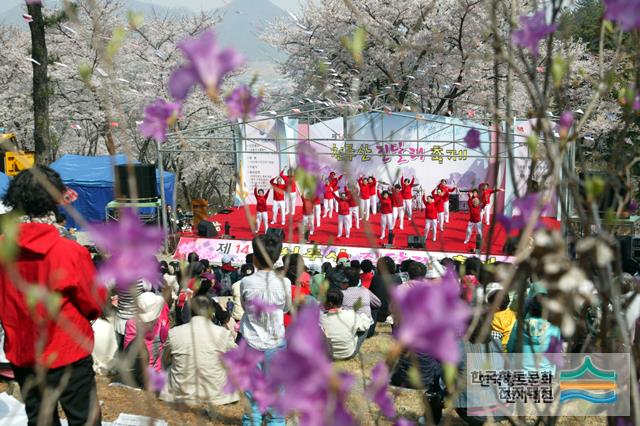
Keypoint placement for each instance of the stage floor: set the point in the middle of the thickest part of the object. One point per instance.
(450, 241)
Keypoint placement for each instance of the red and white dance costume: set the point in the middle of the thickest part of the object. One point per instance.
(365, 202)
(344, 215)
(307, 214)
(386, 213)
(474, 218)
(407, 195)
(431, 212)
(317, 209)
(373, 194)
(485, 201)
(292, 192)
(446, 190)
(333, 181)
(438, 199)
(354, 210)
(279, 190)
(262, 217)
(329, 199)
(398, 205)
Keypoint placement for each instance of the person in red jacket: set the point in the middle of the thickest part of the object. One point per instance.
(386, 212)
(344, 215)
(329, 198)
(438, 198)
(398, 205)
(365, 202)
(485, 200)
(49, 348)
(431, 212)
(446, 190)
(474, 216)
(262, 217)
(279, 192)
(291, 196)
(373, 194)
(354, 210)
(333, 181)
(407, 195)
(307, 213)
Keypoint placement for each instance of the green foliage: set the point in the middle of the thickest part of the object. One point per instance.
(8, 246)
(583, 22)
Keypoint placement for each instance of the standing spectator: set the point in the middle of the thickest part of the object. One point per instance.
(226, 275)
(126, 308)
(345, 329)
(34, 337)
(504, 318)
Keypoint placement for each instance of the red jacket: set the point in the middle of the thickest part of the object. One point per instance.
(446, 190)
(329, 193)
(289, 182)
(317, 201)
(396, 196)
(364, 189)
(407, 189)
(278, 190)
(485, 197)
(63, 267)
(439, 201)
(261, 200)
(366, 278)
(373, 187)
(386, 204)
(430, 209)
(352, 200)
(333, 181)
(307, 206)
(343, 207)
(474, 211)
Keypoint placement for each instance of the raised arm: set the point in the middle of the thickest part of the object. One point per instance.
(424, 199)
(255, 191)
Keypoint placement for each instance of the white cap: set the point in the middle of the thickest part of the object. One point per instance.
(150, 305)
(492, 288)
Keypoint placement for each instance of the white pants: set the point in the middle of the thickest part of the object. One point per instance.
(446, 211)
(398, 212)
(441, 220)
(317, 210)
(365, 205)
(386, 221)
(470, 227)
(278, 205)
(408, 207)
(373, 201)
(430, 223)
(355, 212)
(344, 222)
(307, 223)
(335, 203)
(262, 217)
(328, 207)
(291, 199)
(485, 213)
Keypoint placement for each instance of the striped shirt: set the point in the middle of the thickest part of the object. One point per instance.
(362, 298)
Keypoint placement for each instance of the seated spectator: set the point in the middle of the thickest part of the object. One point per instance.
(344, 329)
(300, 279)
(151, 327)
(367, 273)
(318, 282)
(237, 311)
(222, 318)
(504, 318)
(105, 347)
(192, 352)
(226, 275)
(357, 298)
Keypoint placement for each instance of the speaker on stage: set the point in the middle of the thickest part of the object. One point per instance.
(145, 177)
(629, 253)
(416, 241)
(277, 233)
(207, 229)
(454, 202)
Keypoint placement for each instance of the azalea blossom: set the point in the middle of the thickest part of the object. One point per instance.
(131, 246)
(33, 2)
(472, 139)
(207, 66)
(158, 118)
(636, 102)
(242, 104)
(625, 13)
(402, 421)
(432, 317)
(242, 372)
(554, 352)
(565, 123)
(532, 29)
(525, 206)
(258, 306)
(156, 380)
(377, 390)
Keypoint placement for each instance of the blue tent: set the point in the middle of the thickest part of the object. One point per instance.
(4, 184)
(93, 179)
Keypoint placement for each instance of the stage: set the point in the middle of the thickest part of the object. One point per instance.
(363, 243)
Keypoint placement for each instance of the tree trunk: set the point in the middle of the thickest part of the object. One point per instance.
(41, 136)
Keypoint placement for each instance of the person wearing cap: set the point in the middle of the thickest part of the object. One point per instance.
(504, 318)
(226, 275)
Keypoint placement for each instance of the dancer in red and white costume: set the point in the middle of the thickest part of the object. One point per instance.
(279, 190)
(344, 215)
(317, 209)
(307, 213)
(446, 190)
(353, 207)
(365, 202)
(329, 198)
(333, 181)
(474, 216)
(407, 195)
(485, 200)
(291, 195)
(386, 212)
(262, 217)
(398, 205)
(373, 194)
(438, 198)
(431, 212)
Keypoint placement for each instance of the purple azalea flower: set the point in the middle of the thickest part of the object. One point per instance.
(156, 380)
(132, 247)
(32, 2)
(554, 352)
(532, 29)
(258, 307)
(402, 421)
(376, 391)
(307, 158)
(525, 206)
(566, 120)
(472, 139)
(207, 66)
(632, 206)
(625, 13)
(158, 117)
(241, 104)
(433, 317)
(242, 368)
(636, 102)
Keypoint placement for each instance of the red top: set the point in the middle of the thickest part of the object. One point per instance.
(329, 191)
(386, 204)
(333, 181)
(343, 206)
(474, 211)
(317, 201)
(439, 201)
(364, 189)
(278, 190)
(60, 266)
(430, 209)
(396, 197)
(352, 201)
(289, 182)
(372, 187)
(446, 190)
(307, 206)
(366, 278)
(261, 200)
(485, 198)
(407, 189)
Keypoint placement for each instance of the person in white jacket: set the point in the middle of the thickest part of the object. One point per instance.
(345, 329)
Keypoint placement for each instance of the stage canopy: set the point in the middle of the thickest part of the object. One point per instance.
(93, 179)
